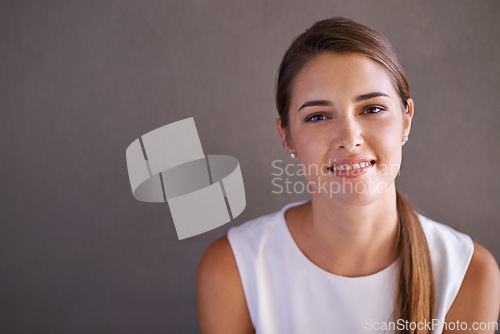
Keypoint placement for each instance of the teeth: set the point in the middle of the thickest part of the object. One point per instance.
(350, 167)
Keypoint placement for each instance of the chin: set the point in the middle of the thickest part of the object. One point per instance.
(352, 200)
(352, 194)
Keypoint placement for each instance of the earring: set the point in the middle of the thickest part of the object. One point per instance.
(292, 155)
(405, 139)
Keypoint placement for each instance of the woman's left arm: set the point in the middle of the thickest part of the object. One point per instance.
(478, 301)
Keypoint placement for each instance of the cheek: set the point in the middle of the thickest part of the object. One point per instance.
(390, 133)
(312, 148)
(311, 145)
(387, 143)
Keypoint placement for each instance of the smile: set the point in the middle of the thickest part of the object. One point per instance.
(354, 166)
(352, 169)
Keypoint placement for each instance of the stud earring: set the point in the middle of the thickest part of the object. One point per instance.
(405, 139)
(292, 155)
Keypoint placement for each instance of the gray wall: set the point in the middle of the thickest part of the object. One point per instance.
(80, 80)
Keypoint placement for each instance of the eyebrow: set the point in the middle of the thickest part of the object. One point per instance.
(370, 96)
(315, 103)
(323, 103)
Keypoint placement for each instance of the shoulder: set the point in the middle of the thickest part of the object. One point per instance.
(221, 300)
(483, 267)
(438, 232)
(478, 299)
(258, 225)
(218, 258)
(250, 238)
(451, 251)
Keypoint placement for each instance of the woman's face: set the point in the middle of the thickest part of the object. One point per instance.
(347, 127)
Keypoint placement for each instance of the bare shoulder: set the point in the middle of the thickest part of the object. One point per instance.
(222, 306)
(218, 258)
(482, 280)
(478, 299)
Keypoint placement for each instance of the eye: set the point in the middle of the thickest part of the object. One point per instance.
(315, 118)
(373, 110)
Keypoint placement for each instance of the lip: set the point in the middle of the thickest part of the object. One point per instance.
(353, 172)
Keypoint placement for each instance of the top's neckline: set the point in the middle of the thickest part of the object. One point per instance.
(389, 270)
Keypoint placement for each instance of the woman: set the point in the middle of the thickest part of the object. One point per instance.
(356, 258)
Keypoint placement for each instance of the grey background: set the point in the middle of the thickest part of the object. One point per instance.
(80, 80)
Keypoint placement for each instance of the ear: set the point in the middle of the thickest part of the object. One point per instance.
(407, 117)
(283, 135)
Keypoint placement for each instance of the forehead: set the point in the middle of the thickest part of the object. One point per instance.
(341, 76)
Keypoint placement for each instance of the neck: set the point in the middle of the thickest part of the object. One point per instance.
(352, 241)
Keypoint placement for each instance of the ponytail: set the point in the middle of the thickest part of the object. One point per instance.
(414, 295)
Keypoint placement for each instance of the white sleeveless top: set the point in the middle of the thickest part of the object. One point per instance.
(287, 293)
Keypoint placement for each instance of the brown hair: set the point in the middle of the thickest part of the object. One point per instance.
(414, 294)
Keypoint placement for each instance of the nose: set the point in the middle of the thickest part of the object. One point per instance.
(348, 134)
